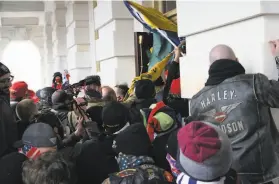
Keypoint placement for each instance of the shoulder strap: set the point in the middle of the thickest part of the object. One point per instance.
(71, 122)
(56, 114)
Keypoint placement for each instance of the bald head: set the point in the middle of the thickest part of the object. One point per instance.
(221, 52)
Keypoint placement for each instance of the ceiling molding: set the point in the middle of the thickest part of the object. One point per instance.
(17, 21)
(39, 15)
(21, 6)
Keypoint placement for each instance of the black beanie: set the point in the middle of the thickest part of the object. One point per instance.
(57, 74)
(133, 140)
(115, 116)
(60, 97)
(3, 69)
(144, 89)
(95, 113)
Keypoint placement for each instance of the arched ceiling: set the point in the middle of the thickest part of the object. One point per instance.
(22, 20)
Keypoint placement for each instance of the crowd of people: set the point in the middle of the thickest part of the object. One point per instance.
(144, 133)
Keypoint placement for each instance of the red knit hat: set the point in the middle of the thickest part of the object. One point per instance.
(32, 96)
(18, 89)
(205, 151)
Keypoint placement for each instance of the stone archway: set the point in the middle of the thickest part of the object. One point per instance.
(23, 58)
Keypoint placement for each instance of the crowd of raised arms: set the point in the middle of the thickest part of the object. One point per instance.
(87, 133)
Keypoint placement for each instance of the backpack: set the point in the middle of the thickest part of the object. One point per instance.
(49, 117)
(144, 174)
(63, 118)
(159, 120)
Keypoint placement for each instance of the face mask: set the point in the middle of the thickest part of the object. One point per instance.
(93, 93)
(58, 80)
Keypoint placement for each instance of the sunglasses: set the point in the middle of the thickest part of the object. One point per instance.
(6, 80)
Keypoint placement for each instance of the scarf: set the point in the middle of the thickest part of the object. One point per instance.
(153, 125)
(30, 151)
(172, 163)
(223, 69)
(131, 161)
(185, 179)
(57, 86)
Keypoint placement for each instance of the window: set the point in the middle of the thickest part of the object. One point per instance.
(168, 6)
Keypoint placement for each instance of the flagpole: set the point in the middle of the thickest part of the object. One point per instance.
(141, 62)
(162, 33)
(171, 42)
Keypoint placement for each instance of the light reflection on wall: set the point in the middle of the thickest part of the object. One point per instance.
(24, 60)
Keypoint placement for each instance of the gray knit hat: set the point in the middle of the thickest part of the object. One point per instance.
(205, 152)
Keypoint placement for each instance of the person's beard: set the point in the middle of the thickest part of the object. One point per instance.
(5, 92)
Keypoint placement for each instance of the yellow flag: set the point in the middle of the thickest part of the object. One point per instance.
(154, 18)
(153, 74)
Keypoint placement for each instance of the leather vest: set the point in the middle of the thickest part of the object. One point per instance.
(232, 105)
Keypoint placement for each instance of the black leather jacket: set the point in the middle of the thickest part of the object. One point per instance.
(8, 127)
(240, 106)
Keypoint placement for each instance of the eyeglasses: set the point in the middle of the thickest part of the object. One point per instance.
(6, 80)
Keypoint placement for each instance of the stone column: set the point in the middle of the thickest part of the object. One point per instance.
(48, 57)
(4, 40)
(114, 42)
(244, 26)
(3, 44)
(78, 42)
(92, 37)
(59, 36)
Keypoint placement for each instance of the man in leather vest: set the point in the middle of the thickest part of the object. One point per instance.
(240, 105)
